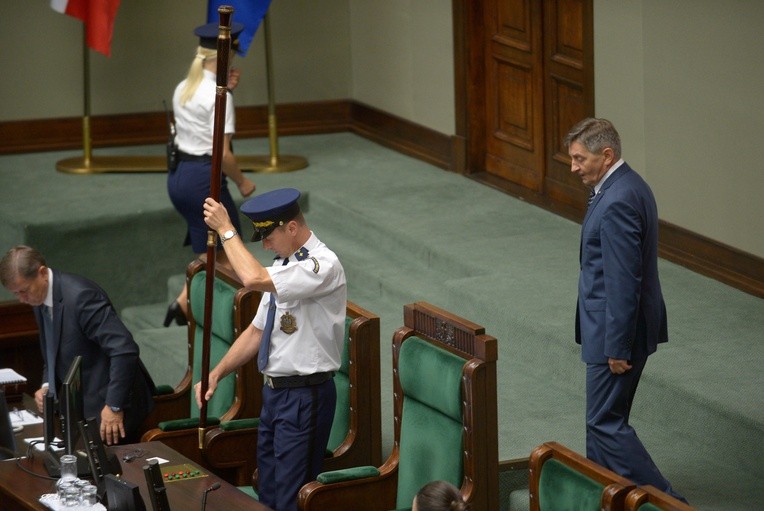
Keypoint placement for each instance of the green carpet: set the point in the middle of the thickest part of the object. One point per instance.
(406, 231)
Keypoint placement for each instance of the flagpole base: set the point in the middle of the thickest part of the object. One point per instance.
(106, 164)
(137, 164)
(270, 164)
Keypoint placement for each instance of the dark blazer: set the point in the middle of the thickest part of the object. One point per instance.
(85, 323)
(620, 305)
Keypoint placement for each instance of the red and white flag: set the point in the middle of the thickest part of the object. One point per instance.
(98, 17)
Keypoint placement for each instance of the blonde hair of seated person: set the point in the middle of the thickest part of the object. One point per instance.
(439, 496)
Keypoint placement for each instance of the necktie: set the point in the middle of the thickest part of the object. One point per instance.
(50, 352)
(591, 197)
(265, 340)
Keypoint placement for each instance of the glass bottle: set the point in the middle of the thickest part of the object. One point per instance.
(68, 465)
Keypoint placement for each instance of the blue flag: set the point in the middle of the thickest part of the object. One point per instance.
(247, 12)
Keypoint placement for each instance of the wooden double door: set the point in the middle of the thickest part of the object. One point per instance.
(532, 81)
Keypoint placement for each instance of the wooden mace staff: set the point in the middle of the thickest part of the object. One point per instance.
(218, 139)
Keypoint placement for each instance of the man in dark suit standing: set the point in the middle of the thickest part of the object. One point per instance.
(621, 315)
(75, 317)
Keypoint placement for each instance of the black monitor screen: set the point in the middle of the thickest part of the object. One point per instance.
(49, 421)
(72, 408)
(122, 495)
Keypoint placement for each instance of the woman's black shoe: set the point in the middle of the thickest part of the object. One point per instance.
(174, 312)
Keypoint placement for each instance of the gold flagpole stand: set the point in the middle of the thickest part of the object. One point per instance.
(89, 164)
(274, 162)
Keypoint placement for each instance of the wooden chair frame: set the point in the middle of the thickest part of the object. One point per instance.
(651, 494)
(480, 484)
(248, 395)
(233, 454)
(616, 487)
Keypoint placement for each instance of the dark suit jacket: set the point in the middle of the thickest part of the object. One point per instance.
(620, 311)
(85, 323)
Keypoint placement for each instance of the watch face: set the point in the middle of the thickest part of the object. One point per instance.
(228, 235)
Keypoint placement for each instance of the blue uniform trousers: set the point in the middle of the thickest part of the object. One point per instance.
(292, 438)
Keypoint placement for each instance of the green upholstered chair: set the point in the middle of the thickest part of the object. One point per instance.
(176, 416)
(445, 422)
(650, 498)
(356, 435)
(563, 480)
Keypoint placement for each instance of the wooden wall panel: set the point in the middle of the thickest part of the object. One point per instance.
(514, 106)
(569, 92)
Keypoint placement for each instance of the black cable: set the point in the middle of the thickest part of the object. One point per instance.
(30, 457)
(131, 455)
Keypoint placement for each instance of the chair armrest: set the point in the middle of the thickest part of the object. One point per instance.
(231, 450)
(163, 390)
(184, 441)
(238, 424)
(372, 492)
(168, 407)
(347, 474)
(187, 423)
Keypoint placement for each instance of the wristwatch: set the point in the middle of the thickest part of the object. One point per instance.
(115, 409)
(228, 235)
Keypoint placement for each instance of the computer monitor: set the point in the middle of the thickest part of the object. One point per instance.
(122, 495)
(72, 407)
(49, 421)
(7, 437)
(101, 462)
(71, 412)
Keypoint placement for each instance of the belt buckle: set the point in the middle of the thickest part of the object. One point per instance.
(268, 380)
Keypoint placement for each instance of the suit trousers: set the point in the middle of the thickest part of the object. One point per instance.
(610, 440)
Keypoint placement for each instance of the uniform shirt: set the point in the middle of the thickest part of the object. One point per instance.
(314, 293)
(195, 121)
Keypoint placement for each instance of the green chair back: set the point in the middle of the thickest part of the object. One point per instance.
(562, 488)
(221, 338)
(341, 424)
(431, 427)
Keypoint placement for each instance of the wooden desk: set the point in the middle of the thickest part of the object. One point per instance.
(20, 491)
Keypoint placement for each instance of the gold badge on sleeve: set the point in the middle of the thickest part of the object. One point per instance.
(288, 323)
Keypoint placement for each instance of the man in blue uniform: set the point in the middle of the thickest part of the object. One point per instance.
(297, 336)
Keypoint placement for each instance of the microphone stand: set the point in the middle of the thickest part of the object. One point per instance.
(204, 496)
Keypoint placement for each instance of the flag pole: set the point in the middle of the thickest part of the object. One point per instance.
(89, 164)
(86, 146)
(274, 162)
(218, 141)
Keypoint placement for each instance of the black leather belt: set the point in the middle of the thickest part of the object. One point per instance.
(284, 382)
(193, 157)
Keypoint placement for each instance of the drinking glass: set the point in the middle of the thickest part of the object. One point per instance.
(89, 496)
(71, 496)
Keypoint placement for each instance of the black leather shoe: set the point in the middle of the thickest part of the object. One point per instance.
(174, 312)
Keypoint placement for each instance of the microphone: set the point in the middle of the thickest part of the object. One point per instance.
(204, 496)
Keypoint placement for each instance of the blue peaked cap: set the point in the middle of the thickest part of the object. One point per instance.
(270, 210)
(208, 35)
